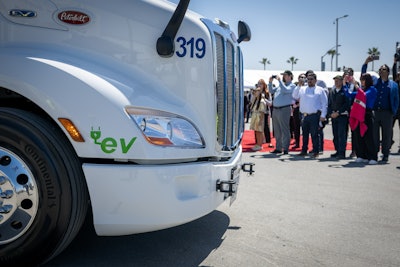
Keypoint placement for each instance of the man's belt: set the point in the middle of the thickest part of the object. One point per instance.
(281, 107)
(309, 114)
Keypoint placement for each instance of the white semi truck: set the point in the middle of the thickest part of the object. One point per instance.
(132, 109)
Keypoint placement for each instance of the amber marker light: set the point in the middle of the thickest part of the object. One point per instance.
(71, 129)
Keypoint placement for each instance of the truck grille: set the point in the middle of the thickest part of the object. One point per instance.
(229, 93)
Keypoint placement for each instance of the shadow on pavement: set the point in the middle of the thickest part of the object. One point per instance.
(185, 245)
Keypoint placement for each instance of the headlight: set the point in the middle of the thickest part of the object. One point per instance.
(166, 129)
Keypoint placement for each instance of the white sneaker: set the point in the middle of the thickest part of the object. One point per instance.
(256, 148)
(372, 162)
(361, 160)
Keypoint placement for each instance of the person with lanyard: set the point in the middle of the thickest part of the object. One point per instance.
(385, 107)
(281, 104)
(313, 107)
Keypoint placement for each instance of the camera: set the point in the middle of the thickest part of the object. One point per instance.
(375, 57)
(273, 76)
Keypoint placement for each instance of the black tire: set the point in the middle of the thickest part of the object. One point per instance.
(35, 155)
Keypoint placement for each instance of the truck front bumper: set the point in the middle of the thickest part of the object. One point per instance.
(128, 199)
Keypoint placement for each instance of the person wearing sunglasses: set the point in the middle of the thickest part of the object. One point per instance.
(385, 108)
(313, 107)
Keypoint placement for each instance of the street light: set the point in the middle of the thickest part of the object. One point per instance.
(322, 58)
(337, 38)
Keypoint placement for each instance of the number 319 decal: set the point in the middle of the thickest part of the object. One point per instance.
(192, 47)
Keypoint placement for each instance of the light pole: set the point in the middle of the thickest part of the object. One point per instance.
(337, 38)
(322, 58)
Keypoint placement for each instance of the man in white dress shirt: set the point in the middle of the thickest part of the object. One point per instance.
(313, 108)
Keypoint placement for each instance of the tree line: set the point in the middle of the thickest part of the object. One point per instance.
(332, 52)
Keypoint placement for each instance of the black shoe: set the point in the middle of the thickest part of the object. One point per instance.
(315, 155)
(341, 157)
(302, 154)
(285, 152)
(352, 155)
(334, 155)
(276, 151)
(385, 159)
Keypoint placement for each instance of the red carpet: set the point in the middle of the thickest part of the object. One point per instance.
(249, 141)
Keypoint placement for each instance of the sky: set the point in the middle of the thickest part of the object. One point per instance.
(305, 30)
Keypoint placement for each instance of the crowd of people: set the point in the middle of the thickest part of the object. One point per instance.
(367, 110)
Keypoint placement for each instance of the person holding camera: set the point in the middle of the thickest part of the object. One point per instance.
(361, 120)
(282, 109)
(385, 107)
(349, 84)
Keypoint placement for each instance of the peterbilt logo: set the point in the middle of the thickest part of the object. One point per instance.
(73, 17)
(22, 13)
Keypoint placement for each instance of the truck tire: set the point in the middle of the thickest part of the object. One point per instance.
(43, 194)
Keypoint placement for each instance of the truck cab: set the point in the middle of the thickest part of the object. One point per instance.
(132, 109)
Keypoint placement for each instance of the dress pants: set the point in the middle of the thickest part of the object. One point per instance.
(281, 125)
(383, 123)
(339, 130)
(310, 126)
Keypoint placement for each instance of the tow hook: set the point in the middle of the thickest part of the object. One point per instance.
(227, 186)
(230, 186)
(248, 167)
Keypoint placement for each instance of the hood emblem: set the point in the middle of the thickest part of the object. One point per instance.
(22, 13)
(73, 17)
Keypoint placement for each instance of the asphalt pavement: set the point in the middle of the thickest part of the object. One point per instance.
(293, 212)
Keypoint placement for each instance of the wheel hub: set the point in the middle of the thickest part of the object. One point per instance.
(19, 197)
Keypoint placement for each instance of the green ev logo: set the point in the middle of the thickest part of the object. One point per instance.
(110, 145)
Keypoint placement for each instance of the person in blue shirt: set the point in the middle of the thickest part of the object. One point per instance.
(385, 107)
(365, 142)
(282, 109)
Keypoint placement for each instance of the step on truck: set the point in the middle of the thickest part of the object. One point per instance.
(132, 110)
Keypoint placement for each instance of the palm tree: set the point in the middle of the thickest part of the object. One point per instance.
(373, 51)
(332, 52)
(292, 60)
(265, 61)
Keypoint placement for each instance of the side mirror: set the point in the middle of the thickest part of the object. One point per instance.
(243, 32)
